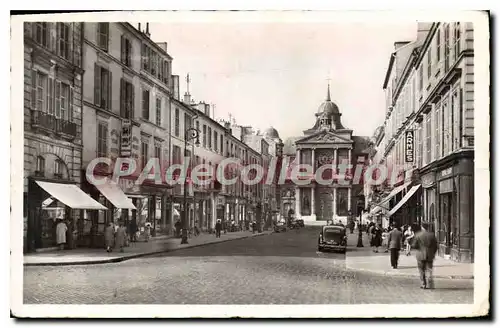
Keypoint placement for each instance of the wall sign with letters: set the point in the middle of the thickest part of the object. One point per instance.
(409, 146)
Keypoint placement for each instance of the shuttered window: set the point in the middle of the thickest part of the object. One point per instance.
(63, 40)
(103, 36)
(102, 87)
(145, 104)
(102, 139)
(126, 51)
(126, 99)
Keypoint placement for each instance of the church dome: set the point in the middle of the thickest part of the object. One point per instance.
(272, 133)
(328, 107)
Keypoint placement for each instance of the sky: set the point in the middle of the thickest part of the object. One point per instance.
(276, 73)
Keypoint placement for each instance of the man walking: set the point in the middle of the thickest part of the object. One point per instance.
(425, 243)
(394, 245)
(218, 228)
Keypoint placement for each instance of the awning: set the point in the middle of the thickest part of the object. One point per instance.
(387, 198)
(71, 195)
(404, 200)
(115, 195)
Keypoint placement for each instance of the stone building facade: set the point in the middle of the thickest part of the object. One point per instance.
(52, 124)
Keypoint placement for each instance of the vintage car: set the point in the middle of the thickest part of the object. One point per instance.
(332, 237)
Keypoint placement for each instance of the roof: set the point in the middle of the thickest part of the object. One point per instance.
(271, 133)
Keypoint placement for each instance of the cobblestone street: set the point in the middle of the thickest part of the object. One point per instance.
(281, 268)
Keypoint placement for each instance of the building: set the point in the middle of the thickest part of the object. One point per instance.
(429, 129)
(52, 131)
(328, 142)
(126, 113)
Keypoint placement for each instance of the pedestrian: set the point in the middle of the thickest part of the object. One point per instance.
(121, 236)
(394, 244)
(426, 245)
(218, 228)
(133, 230)
(254, 226)
(109, 237)
(147, 231)
(61, 229)
(385, 241)
(376, 237)
(409, 235)
(177, 226)
(369, 232)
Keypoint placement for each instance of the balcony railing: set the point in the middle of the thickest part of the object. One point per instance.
(48, 122)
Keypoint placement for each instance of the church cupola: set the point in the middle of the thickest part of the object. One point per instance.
(329, 114)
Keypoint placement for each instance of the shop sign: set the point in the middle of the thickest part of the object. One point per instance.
(446, 186)
(428, 180)
(126, 145)
(409, 146)
(446, 172)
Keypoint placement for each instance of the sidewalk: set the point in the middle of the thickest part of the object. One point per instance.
(365, 260)
(135, 250)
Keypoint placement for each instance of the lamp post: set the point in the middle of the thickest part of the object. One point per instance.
(189, 134)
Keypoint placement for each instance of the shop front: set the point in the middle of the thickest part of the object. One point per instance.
(50, 202)
(429, 200)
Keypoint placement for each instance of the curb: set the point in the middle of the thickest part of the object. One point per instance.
(405, 275)
(130, 257)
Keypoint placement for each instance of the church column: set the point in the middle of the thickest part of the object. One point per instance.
(350, 160)
(335, 200)
(313, 159)
(335, 161)
(313, 206)
(297, 202)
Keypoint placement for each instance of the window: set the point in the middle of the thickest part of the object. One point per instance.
(447, 129)
(176, 154)
(102, 87)
(420, 78)
(102, 139)
(457, 40)
(58, 168)
(456, 108)
(42, 34)
(429, 64)
(145, 104)
(187, 122)
(62, 101)
(40, 165)
(158, 111)
(63, 41)
(177, 122)
(221, 144)
(144, 56)
(446, 46)
(126, 51)
(428, 139)
(103, 35)
(38, 91)
(438, 129)
(209, 133)
(158, 152)
(204, 135)
(438, 45)
(144, 153)
(126, 99)
(216, 142)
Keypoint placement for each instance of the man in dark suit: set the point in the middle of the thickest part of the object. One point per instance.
(394, 244)
(425, 243)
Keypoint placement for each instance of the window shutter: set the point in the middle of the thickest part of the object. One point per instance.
(71, 107)
(33, 89)
(53, 44)
(132, 89)
(97, 85)
(110, 88)
(123, 47)
(58, 99)
(50, 96)
(123, 92)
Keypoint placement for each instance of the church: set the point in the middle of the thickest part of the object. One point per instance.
(327, 142)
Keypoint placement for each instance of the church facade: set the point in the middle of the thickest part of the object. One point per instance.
(327, 144)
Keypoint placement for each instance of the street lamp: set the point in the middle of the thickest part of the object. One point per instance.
(189, 134)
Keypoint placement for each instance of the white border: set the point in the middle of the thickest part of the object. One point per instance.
(481, 35)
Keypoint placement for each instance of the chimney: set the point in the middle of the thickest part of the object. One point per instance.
(147, 30)
(422, 31)
(187, 98)
(139, 27)
(207, 110)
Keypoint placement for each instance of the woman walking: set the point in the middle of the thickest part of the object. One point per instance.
(376, 238)
(409, 234)
(61, 229)
(109, 237)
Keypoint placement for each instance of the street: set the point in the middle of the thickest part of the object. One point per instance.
(281, 268)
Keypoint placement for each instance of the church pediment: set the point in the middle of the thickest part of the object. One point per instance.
(324, 137)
